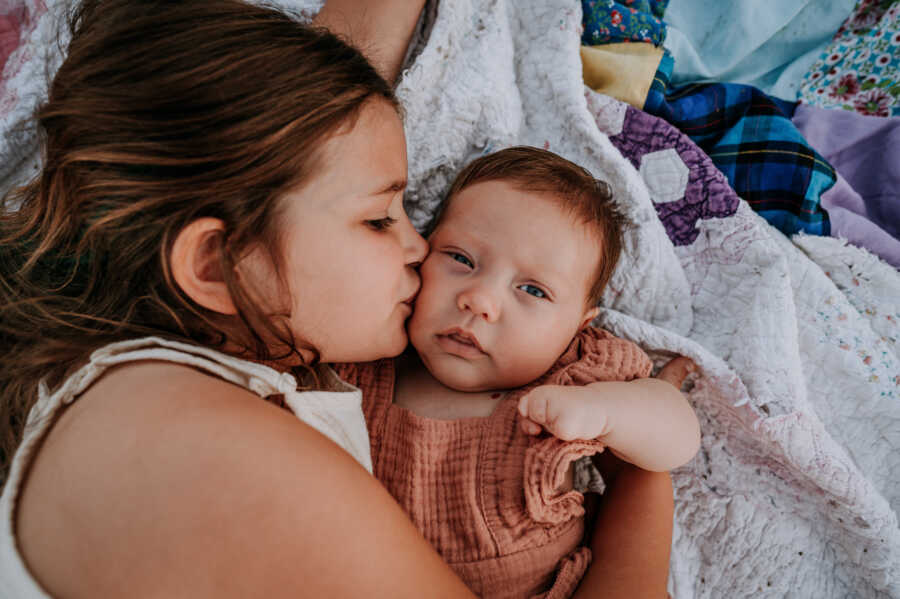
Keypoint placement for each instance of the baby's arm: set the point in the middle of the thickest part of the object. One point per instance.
(647, 422)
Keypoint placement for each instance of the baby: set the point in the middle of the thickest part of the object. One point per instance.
(476, 433)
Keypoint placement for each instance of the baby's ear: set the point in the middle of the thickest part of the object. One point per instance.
(195, 265)
(590, 315)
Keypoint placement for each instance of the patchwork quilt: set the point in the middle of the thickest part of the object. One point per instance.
(795, 491)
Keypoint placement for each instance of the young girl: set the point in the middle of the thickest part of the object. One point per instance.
(214, 177)
(525, 245)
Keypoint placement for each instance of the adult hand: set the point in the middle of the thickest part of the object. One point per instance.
(380, 29)
(676, 371)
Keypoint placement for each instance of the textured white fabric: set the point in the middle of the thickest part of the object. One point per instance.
(794, 492)
(336, 414)
(796, 489)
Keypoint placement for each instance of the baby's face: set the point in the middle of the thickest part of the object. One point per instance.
(503, 290)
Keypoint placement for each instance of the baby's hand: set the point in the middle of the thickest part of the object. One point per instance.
(676, 371)
(567, 413)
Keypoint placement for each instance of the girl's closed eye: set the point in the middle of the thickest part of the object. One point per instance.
(534, 290)
(381, 224)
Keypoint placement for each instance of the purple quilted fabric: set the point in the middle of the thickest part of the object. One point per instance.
(706, 194)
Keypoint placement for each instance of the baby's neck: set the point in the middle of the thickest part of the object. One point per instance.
(419, 392)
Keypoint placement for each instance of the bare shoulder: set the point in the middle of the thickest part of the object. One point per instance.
(164, 481)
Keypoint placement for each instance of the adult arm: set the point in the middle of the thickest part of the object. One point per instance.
(165, 482)
(633, 537)
(381, 29)
(631, 534)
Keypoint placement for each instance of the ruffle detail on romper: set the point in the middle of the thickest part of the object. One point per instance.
(569, 573)
(546, 466)
(597, 355)
(594, 355)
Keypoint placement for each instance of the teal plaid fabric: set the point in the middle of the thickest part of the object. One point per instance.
(751, 139)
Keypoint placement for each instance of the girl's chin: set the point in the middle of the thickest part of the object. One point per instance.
(396, 348)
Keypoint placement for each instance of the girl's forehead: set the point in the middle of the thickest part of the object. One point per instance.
(358, 164)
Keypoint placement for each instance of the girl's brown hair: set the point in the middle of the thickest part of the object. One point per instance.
(162, 113)
(574, 188)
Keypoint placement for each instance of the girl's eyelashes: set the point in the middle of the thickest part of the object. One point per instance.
(461, 259)
(534, 290)
(382, 224)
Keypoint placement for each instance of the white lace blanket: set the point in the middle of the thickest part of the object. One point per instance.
(796, 489)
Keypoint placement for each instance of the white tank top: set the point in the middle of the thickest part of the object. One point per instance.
(336, 414)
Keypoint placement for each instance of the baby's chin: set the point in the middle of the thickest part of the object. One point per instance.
(458, 377)
(466, 379)
(466, 386)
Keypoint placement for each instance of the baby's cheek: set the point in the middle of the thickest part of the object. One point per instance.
(414, 328)
(521, 368)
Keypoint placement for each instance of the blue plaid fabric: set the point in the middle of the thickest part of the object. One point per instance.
(751, 139)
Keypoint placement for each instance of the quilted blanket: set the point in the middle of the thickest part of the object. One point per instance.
(796, 489)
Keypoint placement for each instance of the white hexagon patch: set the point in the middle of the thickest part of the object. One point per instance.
(665, 174)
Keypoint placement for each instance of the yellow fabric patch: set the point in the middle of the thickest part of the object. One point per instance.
(623, 71)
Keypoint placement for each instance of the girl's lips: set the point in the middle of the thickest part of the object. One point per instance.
(412, 298)
(458, 345)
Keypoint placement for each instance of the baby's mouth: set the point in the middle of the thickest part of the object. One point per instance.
(459, 342)
(461, 339)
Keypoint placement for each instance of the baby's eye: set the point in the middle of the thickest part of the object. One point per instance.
(532, 290)
(461, 259)
(382, 224)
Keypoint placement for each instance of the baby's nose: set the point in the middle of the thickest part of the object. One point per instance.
(480, 302)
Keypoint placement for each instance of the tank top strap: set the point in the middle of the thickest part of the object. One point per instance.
(257, 378)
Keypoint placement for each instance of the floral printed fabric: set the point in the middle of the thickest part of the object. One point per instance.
(606, 21)
(860, 70)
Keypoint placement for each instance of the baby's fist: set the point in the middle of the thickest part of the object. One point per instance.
(564, 412)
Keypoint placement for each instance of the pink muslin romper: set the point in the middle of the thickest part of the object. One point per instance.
(485, 494)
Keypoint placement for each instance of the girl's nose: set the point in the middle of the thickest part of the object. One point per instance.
(415, 248)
